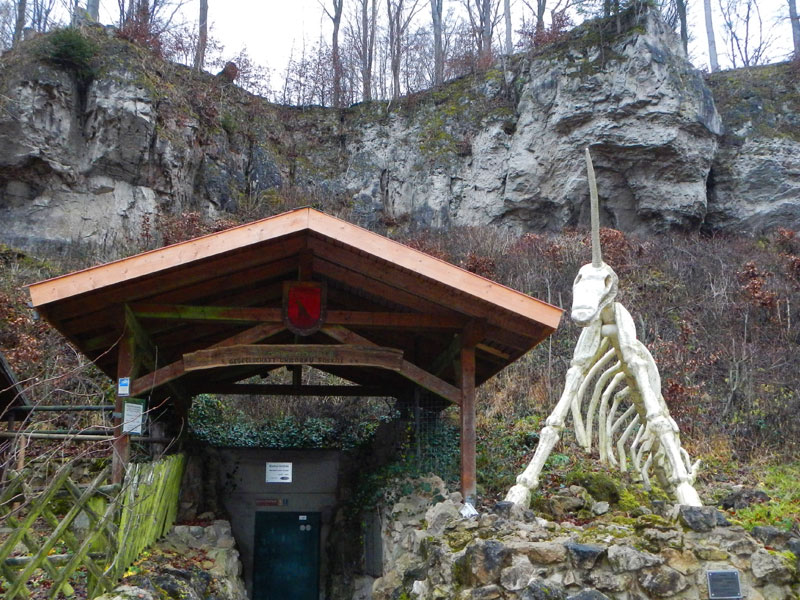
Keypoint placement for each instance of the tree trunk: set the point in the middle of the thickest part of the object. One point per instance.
(202, 36)
(712, 43)
(438, 48)
(336, 19)
(143, 12)
(93, 10)
(795, 19)
(507, 10)
(20, 24)
(369, 18)
(541, 5)
(486, 28)
(680, 6)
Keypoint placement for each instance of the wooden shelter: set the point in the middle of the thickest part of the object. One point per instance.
(301, 288)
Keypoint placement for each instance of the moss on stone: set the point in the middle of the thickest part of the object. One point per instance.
(601, 486)
(458, 539)
(759, 101)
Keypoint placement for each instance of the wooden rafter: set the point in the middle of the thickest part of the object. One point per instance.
(408, 369)
(294, 354)
(145, 383)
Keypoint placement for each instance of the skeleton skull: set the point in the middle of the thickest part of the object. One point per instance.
(594, 289)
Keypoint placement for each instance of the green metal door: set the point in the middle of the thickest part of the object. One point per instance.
(286, 556)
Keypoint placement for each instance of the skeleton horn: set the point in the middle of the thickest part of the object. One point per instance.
(597, 256)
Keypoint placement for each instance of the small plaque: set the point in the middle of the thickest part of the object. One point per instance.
(124, 386)
(724, 585)
(279, 472)
(133, 417)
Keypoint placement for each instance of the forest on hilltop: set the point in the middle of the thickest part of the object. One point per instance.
(368, 49)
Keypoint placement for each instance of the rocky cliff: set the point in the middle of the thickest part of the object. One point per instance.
(96, 151)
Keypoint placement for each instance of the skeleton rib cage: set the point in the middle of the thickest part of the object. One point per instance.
(613, 419)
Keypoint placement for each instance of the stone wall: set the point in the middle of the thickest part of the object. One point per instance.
(193, 562)
(431, 552)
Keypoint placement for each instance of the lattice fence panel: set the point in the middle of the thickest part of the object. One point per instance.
(123, 521)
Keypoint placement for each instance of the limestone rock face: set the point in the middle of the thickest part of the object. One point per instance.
(97, 163)
(100, 162)
(755, 181)
(648, 117)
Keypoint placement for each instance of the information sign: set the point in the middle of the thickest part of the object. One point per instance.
(133, 416)
(724, 585)
(124, 386)
(279, 472)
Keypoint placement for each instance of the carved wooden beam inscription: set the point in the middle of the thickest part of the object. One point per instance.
(294, 354)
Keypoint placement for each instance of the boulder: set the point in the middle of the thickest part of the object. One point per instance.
(770, 568)
(662, 581)
(701, 518)
(542, 590)
(625, 558)
(584, 556)
(518, 575)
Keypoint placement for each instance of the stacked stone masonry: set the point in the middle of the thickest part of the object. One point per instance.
(431, 552)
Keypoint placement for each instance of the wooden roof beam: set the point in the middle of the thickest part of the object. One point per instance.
(256, 389)
(246, 315)
(294, 354)
(175, 370)
(407, 369)
(149, 352)
(375, 272)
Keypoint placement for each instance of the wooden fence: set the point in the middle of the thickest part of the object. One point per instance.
(121, 521)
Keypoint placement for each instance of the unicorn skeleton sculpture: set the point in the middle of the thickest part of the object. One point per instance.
(609, 354)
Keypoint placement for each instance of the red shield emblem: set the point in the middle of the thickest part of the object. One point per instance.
(303, 306)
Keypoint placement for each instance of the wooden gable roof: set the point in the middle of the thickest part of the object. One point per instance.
(227, 287)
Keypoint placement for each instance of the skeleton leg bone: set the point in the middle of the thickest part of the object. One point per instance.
(588, 351)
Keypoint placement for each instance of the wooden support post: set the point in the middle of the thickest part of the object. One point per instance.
(468, 438)
(121, 445)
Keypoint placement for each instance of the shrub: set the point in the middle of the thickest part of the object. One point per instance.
(72, 51)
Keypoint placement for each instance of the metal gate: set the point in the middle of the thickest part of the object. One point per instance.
(286, 556)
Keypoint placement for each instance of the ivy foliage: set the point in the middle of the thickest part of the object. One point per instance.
(439, 443)
(211, 421)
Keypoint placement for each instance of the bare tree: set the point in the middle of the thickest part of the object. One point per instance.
(712, 42)
(360, 32)
(483, 16)
(400, 13)
(438, 44)
(7, 24)
(153, 16)
(336, 19)
(795, 20)
(747, 41)
(202, 36)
